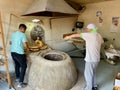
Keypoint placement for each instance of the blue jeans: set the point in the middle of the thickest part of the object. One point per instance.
(20, 65)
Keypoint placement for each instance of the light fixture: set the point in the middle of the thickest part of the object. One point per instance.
(35, 20)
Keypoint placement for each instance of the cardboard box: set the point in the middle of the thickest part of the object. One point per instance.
(117, 82)
(116, 88)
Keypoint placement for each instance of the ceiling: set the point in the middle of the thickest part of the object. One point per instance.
(87, 1)
(79, 5)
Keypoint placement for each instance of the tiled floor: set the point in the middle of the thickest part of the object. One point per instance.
(105, 73)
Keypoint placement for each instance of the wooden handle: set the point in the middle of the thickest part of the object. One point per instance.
(5, 54)
(64, 35)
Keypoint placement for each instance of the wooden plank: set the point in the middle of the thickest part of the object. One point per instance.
(74, 40)
(67, 34)
(5, 54)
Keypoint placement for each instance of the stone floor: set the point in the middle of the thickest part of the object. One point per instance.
(105, 76)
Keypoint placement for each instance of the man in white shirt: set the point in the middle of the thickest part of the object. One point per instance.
(93, 45)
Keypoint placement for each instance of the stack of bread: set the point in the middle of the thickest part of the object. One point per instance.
(40, 44)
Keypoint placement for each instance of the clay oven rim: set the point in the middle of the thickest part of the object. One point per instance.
(61, 56)
(50, 58)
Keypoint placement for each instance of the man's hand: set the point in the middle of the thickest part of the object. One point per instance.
(67, 38)
(72, 36)
(26, 46)
(10, 42)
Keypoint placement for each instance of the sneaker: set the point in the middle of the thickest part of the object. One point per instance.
(21, 85)
(95, 88)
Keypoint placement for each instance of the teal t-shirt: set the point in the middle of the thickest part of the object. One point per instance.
(18, 38)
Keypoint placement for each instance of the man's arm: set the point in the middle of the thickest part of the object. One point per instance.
(72, 36)
(26, 46)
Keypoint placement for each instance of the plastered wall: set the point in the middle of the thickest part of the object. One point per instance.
(59, 27)
(109, 9)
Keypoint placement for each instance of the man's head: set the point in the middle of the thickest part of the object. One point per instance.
(22, 28)
(91, 27)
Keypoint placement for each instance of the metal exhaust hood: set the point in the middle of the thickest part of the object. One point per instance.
(50, 8)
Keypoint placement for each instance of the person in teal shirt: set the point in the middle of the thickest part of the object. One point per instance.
(19, 44)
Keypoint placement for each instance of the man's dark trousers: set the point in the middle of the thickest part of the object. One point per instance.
(20, 65)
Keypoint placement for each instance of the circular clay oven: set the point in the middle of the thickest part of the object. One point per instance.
(53, 70)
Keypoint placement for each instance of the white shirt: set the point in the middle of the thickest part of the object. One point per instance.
(93, 46)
